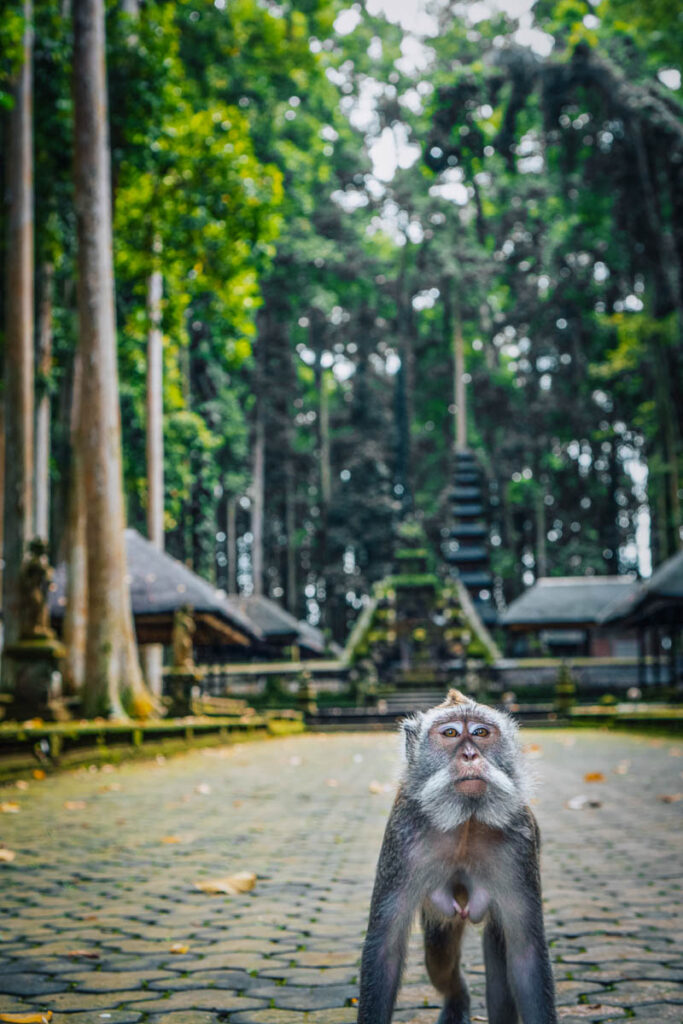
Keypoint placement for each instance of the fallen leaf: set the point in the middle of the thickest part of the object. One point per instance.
(171, 839)
(379, 787)
(676, 752)
(594, 777)
(533, 749)
(111, 787)
(38, 774)
(589, 1010)
(178, 947)
(41, 1017)
(237, 803)
(6, 856)
(203, 789)
(75, 805)
(231, 885)
(83, 954)
(670, 798)
(332, 783)
(10, 807)
(622, 768)
(579, 803)
(21, 784)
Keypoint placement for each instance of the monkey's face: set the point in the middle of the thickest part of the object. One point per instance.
(464, 761)
(467, 742)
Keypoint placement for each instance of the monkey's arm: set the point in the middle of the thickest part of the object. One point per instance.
(392, 909)
(529, 969)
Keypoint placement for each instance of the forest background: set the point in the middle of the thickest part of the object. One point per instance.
(530, 196)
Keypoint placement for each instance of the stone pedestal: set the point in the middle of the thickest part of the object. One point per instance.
(36, 682)
(181, 684)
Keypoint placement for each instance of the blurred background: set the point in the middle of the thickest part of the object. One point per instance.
(363, 241)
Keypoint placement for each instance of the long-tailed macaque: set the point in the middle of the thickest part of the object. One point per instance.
(461, 844)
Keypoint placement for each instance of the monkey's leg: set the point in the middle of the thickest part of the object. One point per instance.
(500, 1002)
(442, 957)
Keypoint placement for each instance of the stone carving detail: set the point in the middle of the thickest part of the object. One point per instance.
(34, 583)
(183, 632)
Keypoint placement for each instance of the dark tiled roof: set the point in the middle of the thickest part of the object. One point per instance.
(570, 599)
(664, 586)
(159, 584)
(311, 637)
(277, 624)
(271, 619)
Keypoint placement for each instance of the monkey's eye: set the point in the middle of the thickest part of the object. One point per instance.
(479, 730)
(451, 729)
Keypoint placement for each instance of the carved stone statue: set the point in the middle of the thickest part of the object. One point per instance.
(34, 582)
(183, 631)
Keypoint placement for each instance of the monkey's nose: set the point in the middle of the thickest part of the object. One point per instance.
(470, 754)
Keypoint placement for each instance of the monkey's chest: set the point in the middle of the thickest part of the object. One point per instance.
(463, 897)
(465, 888)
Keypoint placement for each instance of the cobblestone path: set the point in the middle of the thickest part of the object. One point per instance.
(102, 887)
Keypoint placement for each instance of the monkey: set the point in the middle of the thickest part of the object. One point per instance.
(461, 844)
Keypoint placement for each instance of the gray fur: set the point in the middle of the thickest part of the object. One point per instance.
(455, 856)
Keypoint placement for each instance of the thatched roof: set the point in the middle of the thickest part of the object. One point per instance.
(159, 585)
(566, 601)
(662, 592)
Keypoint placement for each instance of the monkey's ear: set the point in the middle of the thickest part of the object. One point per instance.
(410, 728)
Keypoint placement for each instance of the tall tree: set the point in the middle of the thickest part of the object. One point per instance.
(113, 680)
(19, 355)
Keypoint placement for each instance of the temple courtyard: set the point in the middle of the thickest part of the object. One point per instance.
(104, 918)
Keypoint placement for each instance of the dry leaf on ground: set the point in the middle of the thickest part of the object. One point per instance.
(179, 947)
(332, 783)
(41, 1017)
(21, 784)
(38, 774)
(379, 787)
(581, 802)
(622, 768)
(670, 798)
(75, 805)
(231, 885)
(203, 789)
(83, 954)
(111, 787)
(169, 840)
(7, 856)
(594, 777)
(589, 1010)
(10, 807)
(533, 750)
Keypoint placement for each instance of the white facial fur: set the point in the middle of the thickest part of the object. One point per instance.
(429, 779)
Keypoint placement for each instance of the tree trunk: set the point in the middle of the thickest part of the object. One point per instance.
(153, 654)
(113, 680)
(257, 499)
(459, 395)
(42, 486)
(231, 543)
(19, 357)
(76, 612)
(541, 547)
(290, 530)
(2, 485)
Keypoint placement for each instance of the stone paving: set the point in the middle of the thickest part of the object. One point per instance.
(102, 888)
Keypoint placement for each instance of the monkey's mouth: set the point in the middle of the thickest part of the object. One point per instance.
(472, 785)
